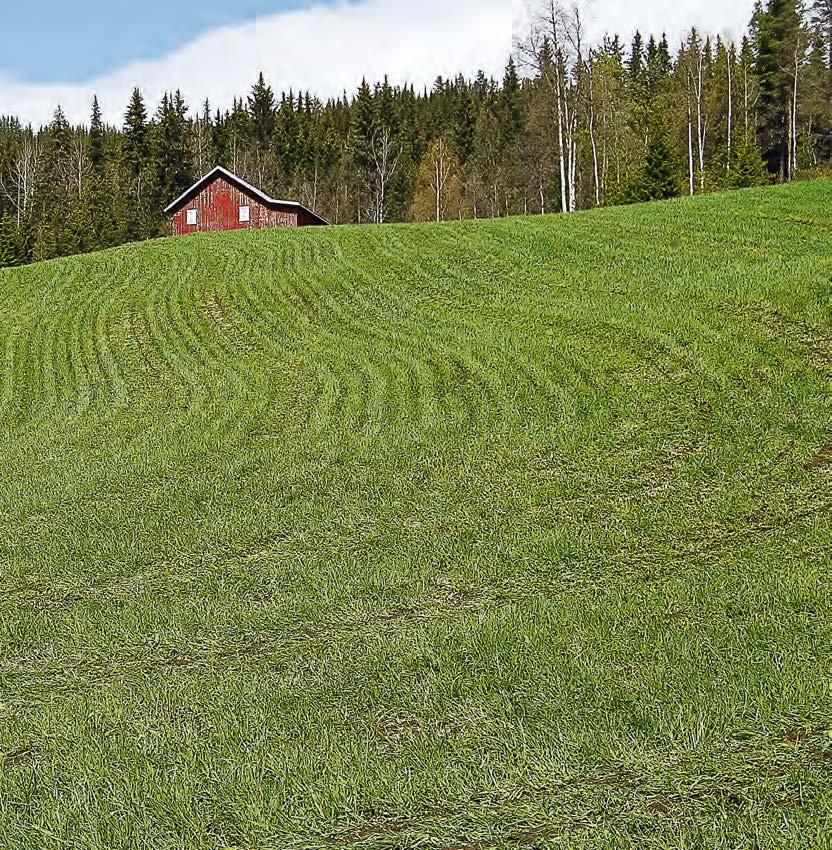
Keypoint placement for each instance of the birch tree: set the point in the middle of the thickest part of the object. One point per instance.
(553, 47)
(77, 167)
(20, 184)
(201, 136)
(437, 183)
(385, 152)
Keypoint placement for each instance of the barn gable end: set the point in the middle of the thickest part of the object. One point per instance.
(223, 201)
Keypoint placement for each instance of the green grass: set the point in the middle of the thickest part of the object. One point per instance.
(483, 535)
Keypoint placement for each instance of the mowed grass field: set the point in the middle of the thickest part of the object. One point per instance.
(498, 534)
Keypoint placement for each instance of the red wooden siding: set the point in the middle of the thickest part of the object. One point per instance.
(218, 208)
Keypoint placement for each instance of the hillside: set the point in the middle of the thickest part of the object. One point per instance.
(488, 534)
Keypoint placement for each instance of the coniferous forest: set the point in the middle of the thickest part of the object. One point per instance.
(571, 125)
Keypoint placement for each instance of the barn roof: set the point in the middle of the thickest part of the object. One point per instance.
(241, 184)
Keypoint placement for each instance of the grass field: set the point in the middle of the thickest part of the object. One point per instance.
(484, 535)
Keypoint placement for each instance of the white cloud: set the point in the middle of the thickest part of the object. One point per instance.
(325, 49)
(328, 49)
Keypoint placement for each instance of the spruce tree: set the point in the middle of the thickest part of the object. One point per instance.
(659, 179)
(665, 60)
(286, 138)
(92, 221)
(363, 124)
(361, 134)
(755, 24)
(58, 194)
(384, 108)
(59, 135)
(464, 126)
(635, 64)
(135, 146)
(778, 30)
(96, 136)
(143, 196)
(261, 107)
(748, 168)
(234, 135)
(12, 249)
(171, 152)
(219, 139)
(510, 107)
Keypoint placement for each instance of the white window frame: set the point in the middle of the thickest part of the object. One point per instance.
(244, 214)
(192, 217)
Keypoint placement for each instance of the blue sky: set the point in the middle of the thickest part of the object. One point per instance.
(62, 40)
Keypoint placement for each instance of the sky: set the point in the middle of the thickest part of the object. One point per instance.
(54, 51)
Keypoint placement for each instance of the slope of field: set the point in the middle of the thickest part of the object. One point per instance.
(481, 535)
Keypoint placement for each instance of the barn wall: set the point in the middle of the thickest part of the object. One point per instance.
(306, 219)
(218, 206)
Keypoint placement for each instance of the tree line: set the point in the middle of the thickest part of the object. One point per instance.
(571, 125)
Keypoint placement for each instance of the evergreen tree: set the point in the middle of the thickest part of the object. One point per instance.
(363, 125)
(658, 180)
(288, 132)
(756, 22)
(93, 217)
(384, 108)
(96, 136)
(361, 135)
(657, 70)
(464, 126)
(261, 107)
(12, 249)
(510, 107)
(59, 137)
(135, 146)
(219, 138)
(748, 169)
(635, 64)
(172, 155)
(664, 61)
(57, 195)
(778, 43)
(140, 177)
(236, 132)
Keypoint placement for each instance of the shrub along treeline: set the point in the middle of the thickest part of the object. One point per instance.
(569, 127)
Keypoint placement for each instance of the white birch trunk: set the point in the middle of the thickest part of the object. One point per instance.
(438, 187)
(23, 177)
(561, 152)
(573, 167)
(595, 166)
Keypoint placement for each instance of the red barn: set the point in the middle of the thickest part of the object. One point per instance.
(223, 201)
